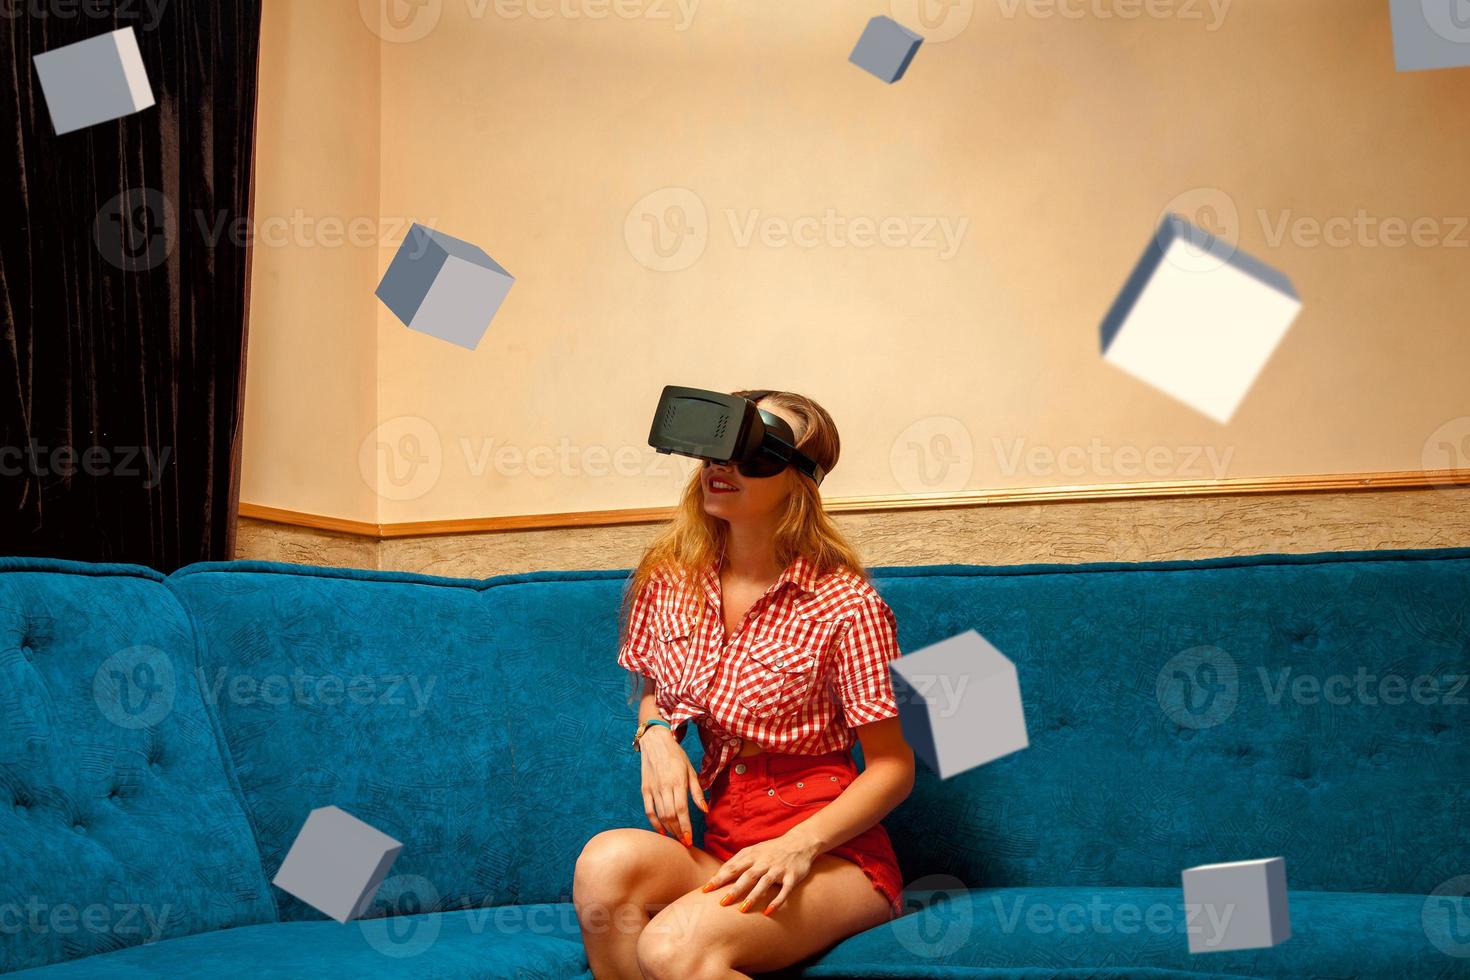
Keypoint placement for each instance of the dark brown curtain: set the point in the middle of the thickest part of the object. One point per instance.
(124, 279)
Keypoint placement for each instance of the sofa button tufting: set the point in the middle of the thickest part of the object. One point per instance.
(27, 652)
(79, 828)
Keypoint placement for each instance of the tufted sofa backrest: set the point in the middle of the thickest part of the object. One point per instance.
(119, 823)
(1183, 713)
(488, 731)
(381, 693)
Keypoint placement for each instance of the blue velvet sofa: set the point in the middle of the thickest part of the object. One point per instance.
(162, 739)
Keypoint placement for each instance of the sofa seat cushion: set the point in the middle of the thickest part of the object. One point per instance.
(523, 942)
(1139, 932)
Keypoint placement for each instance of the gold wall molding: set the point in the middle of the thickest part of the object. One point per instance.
(1052, 529)
(1331, 483)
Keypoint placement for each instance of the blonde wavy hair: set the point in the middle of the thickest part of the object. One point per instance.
(694, 539)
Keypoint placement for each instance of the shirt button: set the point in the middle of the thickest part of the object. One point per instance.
(770, 792)
(834, 779)
(800, 785)
(740, 768)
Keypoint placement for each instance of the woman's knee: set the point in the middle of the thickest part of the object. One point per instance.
(609, 860)
(665, 954)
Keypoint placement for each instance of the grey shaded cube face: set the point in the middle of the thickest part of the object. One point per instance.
(1240, 905)
(461, 303)
(411, 274)
(959, 704)
(885, 49)
(337, 863)
(94, 81)
(443, 286)
(1429, 34)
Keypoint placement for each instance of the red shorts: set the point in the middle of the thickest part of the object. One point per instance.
(758, 797)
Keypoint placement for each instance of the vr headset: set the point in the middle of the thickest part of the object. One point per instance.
(727, 429)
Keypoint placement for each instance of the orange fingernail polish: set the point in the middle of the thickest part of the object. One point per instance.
(727, 899)
(708, 886)
(745, 905)
(688, 839)
(766, 910)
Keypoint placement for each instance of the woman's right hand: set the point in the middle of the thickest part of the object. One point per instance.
(669, 779)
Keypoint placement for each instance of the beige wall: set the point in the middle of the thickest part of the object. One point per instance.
(1050, 144)
(311, 368)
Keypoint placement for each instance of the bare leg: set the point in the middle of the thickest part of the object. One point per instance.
(623, 878)
(695, 938)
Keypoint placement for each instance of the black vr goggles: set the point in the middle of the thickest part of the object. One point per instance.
(727, 429)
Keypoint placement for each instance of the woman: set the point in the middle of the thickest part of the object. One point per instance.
(752, 614)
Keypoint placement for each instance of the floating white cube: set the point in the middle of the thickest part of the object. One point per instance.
(959, 703)
(1198, 319)
(93, 81)
(440, 285)
(1241, 905)
(337, 863)
(1430, 34)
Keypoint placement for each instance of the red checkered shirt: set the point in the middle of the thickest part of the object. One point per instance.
(807, 664)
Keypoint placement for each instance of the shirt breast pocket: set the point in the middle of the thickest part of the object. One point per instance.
(672, 646)
(777, 678)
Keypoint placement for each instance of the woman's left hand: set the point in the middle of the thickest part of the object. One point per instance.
(768, 870)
